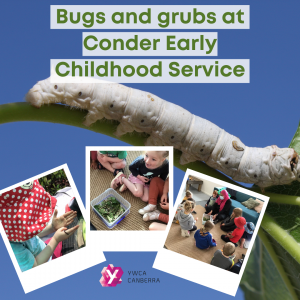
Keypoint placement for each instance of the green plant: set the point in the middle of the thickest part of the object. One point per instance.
(110, 209)
(54, 181)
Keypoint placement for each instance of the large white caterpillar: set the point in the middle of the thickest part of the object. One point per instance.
(171, 125)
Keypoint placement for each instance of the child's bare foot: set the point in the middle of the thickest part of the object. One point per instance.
(123, 186)
(116, 181)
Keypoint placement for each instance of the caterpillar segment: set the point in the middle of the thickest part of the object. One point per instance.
(171, 125)
(141, 113)
(171, 128)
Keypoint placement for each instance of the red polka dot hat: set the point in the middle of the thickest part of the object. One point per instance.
(25, 211)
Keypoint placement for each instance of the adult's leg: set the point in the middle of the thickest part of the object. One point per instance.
(220, 217)
(215, 209)
(208, 209)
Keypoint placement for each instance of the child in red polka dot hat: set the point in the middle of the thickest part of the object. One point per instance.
(25, 213)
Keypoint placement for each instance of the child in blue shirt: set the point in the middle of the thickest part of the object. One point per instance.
(203, 237)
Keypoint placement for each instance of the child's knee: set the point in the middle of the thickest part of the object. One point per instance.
(138, 193)
(123, 164)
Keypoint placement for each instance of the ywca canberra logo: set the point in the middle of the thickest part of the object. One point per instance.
(111, 276)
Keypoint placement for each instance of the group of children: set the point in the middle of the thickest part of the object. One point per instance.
(153, 164)
(236, 226)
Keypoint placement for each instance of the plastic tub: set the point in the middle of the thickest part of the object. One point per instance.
(111, 193)
(207, 217)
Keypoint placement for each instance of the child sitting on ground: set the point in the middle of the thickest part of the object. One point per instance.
(143, 169)
(223, 258)
(228, 224)
(237, 233)
(186, 220)
(204, 238)
(211, 201)
(247, 235)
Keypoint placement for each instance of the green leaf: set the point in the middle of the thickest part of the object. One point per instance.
(273, 269)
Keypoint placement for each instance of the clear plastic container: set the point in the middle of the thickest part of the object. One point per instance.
(207, 217)
(111, 193)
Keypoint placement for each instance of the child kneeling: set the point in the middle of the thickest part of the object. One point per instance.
(224, 258)
(204, 238)
(186, 220)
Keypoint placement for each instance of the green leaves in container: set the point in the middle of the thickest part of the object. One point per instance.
(110, 209)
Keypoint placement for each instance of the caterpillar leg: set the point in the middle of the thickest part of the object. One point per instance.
(92, 117)
(186, 158)
(152, 141)
(123, 128)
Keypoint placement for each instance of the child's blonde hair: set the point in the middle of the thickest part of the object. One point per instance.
(215, 192)
(188, 193)
(187, 206)
(164, 154)
(237, 213)
(229, 249)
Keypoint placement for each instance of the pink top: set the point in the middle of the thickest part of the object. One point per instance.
(221, 202)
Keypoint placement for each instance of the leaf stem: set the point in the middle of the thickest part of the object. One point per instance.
(277, 263)
(281, 236)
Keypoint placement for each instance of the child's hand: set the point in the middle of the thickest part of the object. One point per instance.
(164, 198)
(222, 224)
(64, 220)
(196, 219)
(205, 205)
(164, 206)
(63, 233)
(143, 178)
